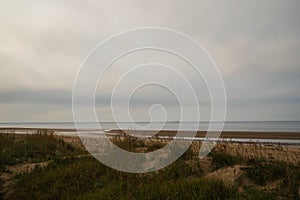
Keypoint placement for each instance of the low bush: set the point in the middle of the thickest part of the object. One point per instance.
(42, 146)
(224, 159)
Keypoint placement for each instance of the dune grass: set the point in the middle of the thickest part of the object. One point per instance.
(224, 159)
(70, 176)
(38, 147)
(262, 171)
(86, 178)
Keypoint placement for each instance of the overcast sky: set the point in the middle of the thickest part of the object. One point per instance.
(255, 44)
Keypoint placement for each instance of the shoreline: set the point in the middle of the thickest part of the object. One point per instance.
(171, 133)
(285, 150)
(58, 158)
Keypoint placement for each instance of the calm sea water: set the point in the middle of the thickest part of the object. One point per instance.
(269, 126)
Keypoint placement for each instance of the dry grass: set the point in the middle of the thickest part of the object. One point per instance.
(232, 171)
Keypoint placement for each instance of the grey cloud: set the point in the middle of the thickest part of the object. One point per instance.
(255, 44)
(44, 97)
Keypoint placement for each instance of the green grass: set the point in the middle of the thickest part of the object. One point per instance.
(262, 172)
(224, 159)
(71, 177)
(86, 178)
(42, 146)
(252, 193)
(179, 189)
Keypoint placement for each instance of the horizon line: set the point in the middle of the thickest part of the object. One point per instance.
(171, 121)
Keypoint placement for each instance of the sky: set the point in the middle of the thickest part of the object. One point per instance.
(255, 45)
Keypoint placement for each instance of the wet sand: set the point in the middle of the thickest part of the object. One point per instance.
(224, 134)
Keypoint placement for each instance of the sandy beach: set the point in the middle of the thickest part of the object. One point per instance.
(226, 134)
(255, 148)
(229, 162)
(200, 134)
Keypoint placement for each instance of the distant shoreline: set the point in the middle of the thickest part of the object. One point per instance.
(170, 133)
(228, 126)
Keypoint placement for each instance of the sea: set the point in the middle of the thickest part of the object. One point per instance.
(265, 126)
(91, 131)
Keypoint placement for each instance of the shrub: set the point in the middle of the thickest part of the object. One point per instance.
(262, 172)
(224, 159)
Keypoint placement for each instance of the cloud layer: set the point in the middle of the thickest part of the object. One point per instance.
(256, 45)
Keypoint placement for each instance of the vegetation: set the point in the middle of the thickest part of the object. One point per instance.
(38, 147)
(223, 159)
(251, 193)
(71, 176)
(74, 179)
(262, 172)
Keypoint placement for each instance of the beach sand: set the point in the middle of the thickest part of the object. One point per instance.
(224, 134)
(253, 149)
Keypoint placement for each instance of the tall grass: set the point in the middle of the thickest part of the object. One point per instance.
(86, 178)
(223, 159)
(262, 172)
(73, 177)
(263, 169)
(40, 146)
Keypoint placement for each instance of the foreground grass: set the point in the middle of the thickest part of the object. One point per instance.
(262, 172)
(69, 176)
(42, 146)
(86, 178)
